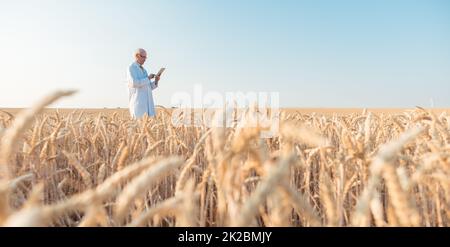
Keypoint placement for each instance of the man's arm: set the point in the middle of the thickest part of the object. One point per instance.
(153, 84)
(134, 80)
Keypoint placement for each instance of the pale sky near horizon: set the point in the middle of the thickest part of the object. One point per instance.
(349, 53)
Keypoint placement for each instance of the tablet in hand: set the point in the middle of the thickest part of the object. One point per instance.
(160, 71)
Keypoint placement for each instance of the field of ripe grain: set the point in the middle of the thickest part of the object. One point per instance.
(326, 168)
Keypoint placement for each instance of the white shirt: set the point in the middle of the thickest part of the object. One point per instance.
(140, 91)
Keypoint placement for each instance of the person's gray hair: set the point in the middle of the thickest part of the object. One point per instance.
(138, 51)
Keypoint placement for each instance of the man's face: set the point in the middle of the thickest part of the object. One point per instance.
(141, 57)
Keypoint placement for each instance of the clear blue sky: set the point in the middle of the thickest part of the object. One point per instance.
(380, 53)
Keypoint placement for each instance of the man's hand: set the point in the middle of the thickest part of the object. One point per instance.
(157, 80)
(151, 76)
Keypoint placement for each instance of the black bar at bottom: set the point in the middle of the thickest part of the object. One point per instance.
(223, 236)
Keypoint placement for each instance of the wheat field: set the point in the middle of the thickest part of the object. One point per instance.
(357, 168)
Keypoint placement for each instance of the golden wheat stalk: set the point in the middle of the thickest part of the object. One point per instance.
(22, 121)
(138, 186)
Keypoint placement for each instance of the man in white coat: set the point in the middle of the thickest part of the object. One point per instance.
(140, 87)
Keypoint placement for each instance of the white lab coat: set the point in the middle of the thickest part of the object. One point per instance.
(140, 91)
